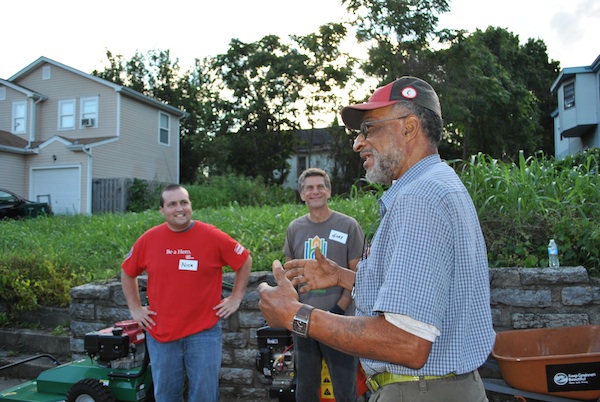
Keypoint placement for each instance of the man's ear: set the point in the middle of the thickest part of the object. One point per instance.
(411, 127)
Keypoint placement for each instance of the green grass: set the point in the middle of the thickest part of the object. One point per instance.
(520, 205)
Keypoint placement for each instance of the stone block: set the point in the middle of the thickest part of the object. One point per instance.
(521, 297)
(235, 339)
(82, 311)
(111, 314)
(238, 376)
(505, 277)
(577, 295)
(91, 292)
(226, 357)
(245, 357)
(533, 320)
(553, 276)
(251, 319)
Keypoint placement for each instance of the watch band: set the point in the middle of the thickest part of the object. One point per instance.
(302, 320)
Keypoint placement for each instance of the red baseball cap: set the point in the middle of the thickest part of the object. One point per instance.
(403, 89)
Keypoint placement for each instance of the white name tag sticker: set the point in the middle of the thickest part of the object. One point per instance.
(188, 265)
(340, 237)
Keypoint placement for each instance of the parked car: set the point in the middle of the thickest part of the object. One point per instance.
(14, 206)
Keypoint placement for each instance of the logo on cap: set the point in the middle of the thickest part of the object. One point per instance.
(409, 93)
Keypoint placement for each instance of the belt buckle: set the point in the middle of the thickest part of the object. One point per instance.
(372, 384)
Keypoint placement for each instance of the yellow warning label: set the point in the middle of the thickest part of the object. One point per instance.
(326, 386)
(327, 392)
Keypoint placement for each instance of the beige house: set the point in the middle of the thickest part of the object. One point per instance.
(62, 130)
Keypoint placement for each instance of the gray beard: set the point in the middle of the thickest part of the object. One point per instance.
(384, 165)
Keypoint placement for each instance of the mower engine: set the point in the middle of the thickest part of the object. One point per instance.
(275, 360)
(117, 346)
(118, 369)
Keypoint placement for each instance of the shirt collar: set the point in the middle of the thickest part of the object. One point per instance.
(413, 173)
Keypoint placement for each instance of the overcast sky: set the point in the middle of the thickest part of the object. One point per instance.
(78, 33)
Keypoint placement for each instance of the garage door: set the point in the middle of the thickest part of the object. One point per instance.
(62, 184)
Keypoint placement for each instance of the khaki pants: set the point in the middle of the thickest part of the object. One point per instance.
(461, 388)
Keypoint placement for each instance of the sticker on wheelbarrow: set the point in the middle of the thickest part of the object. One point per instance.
(573, 377)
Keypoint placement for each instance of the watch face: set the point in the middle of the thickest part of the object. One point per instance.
(299, 327)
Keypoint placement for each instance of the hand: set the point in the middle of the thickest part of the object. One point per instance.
(143, 316)
(320, 273)
(279, 304)
(227, 306)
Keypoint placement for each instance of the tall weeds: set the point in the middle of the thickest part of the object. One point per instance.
(522, 205)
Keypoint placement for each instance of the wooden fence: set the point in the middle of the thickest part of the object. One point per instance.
(115, 194)
(110, 195)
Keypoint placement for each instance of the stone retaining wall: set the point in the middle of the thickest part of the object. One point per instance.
(520, 298)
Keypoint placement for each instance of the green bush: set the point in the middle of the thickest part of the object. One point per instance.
(218, 191)
(25, 280)
(144, 195)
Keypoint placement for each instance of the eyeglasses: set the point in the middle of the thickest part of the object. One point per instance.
(364, 127)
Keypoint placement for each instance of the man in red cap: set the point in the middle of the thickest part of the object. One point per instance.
(423, 322)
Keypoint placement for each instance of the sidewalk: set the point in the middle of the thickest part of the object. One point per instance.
(7, 382)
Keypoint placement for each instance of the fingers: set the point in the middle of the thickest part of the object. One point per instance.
(145, 320)
(296, 275)
(319, 256)
(226, 307)
(278, 272)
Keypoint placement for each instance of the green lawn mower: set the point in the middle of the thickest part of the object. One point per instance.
(117, 369)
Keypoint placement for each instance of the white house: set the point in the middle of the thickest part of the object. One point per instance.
(578, 114)
(313, 149)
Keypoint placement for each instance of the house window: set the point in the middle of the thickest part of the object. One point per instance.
(89, 112)
(3, 93)
(66, 114)
(46, 72)
(163, 128)
(301, 164)
(18, 120)
(569, 95)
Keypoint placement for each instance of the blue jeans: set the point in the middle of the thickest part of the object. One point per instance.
(342, 370)
(198, 355)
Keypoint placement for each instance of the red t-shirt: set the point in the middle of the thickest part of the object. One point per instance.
(185, 271)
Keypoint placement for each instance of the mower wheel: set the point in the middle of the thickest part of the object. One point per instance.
(89, 390)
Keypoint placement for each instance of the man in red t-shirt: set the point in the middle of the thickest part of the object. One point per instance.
(184, 261)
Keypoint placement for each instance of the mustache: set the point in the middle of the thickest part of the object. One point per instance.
(366, 151)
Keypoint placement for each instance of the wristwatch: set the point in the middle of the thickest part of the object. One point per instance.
(302, 320)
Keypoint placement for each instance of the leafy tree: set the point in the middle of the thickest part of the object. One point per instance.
(490, 89)
(397, 33)
(494, 93)
(262, 79)
(272, 85)
(200, 97)
(155, 74)
(330, 69)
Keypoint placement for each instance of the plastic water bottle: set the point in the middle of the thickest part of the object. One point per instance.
(553, 254)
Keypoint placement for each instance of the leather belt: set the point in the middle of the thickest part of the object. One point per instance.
(379, 380)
